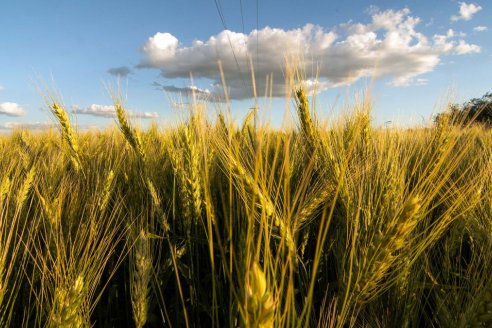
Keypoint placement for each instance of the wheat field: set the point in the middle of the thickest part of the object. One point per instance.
(217, 224)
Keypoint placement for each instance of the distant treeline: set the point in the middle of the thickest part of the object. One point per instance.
(474, 111)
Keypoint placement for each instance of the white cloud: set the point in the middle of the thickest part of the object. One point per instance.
(11, 109)
(372, 9)
(109, 111)
(480, 28)
(180, 105)
(467, 10)
(1, 87)
(388, 46)
(185, 91)
(465, 48)
(26, 125)
(409, 82)
(447, 46)
(96, 110)
(452, 33)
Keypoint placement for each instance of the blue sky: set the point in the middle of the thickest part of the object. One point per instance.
(415, 52)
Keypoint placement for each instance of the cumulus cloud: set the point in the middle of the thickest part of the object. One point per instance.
(109, 111)
(467, 10)
(11, 109)
(452, 33)
(122, 71)
(465, 48)
(26, 125)
(389, 46)
(480, 28)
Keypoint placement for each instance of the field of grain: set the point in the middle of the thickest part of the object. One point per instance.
(217, 224)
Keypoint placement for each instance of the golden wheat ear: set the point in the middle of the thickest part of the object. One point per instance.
(67, 305)
(4, 188)
(140, 278)
(130, 134)
(68, 133)
(260, 305)
(382, 254)
(26, 187)
(308, 127)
